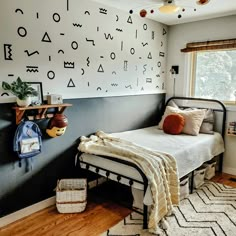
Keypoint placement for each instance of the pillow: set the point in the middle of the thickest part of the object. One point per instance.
(173, 124)
(207, 126)
(193, 119)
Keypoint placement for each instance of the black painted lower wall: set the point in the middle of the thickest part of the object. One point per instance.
(20, 189)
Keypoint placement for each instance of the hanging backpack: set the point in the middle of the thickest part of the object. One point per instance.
(27, 140)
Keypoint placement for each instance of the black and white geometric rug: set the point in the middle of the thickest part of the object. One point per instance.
(211, 210)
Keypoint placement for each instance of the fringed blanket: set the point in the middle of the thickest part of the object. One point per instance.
(159, 168)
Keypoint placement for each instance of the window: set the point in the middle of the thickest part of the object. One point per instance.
(214, 75)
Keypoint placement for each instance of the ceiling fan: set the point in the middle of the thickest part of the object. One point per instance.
(168, 7)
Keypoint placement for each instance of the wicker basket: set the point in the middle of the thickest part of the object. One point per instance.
(71, 195)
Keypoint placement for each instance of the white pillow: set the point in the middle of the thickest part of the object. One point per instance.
(193, 119)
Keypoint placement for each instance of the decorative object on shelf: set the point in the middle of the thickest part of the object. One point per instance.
(232, 128)
(22, 90)
(57, 125)
(54, 99)
(38, 99)
(167, 7)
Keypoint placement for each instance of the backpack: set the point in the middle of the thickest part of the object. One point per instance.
(27, 140)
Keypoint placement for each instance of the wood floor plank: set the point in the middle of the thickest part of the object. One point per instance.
(99, 216)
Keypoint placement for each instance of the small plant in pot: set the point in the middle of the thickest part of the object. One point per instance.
(22, 90)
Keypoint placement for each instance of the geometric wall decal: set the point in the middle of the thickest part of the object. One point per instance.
(46, 38)
(129, 50)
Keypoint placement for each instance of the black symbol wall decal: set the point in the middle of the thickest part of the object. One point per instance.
(114, 85)
(144, 68)
(153, 35)
(164, 32)
(132, 51)
(70, 84)
(140, 57)
(161, 54)
(49, 58)
(97, 28)
(69, 65)
(4, 94)
(152, 68)
(117, 17)
(60, 51)
(31, 54)
(37, 15)
(148, 80)
(157, 86)
(142, 89)
(51, 74)
(158, 76)
(107, 36)
(120, 30)
(125, 65)
(144, 44)
(88, 84)
(113, 56)
(10, 75)
(130, 20)
(82, 71)
(103, 11)
(163, 86)
(32, 69)
(77, 25)
(46, 38)
(159, 64)
(22, 31)
(87, 13)
(99, 88)
(8, 52)
(136, 34)
(19, 10)
(113, 72)
(161, 43)
(56, 17)
(67, 5)
(145, 26)
(88, 61)
(122, 45)
(74, 45)
(100, 69)
(101, 56)
(90, 40)
(149, 55)
(128, 86)
(62, 34)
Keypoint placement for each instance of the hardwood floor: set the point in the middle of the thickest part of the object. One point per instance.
(100, 215)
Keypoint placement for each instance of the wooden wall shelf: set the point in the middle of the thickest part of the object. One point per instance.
(41, 111)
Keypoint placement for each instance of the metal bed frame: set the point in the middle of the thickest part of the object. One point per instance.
(144, 181)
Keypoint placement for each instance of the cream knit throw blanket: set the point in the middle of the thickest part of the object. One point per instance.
(159, 168)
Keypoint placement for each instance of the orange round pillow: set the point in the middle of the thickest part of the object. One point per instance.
(173, 124)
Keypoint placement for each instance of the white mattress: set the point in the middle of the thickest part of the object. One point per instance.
(190, 151)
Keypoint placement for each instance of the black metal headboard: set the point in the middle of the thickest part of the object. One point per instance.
(215, 105)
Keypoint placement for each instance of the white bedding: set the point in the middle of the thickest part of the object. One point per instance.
(190, 151)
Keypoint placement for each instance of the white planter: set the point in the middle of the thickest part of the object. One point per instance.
(23, 103)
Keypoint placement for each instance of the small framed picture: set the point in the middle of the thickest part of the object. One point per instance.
(37, 100)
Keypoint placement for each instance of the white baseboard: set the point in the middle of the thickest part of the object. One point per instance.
(8, 219)
(5, 220)
(229, 170)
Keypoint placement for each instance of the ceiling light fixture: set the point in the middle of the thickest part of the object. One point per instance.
(169, 7)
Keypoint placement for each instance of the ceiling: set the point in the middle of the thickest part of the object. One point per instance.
(215, 8)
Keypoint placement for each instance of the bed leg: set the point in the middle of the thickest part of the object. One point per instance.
(221, 162)
(145, 216)
(191, 185)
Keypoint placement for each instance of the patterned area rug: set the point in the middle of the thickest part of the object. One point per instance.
(211, 210)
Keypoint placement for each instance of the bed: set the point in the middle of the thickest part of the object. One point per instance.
(190, 151)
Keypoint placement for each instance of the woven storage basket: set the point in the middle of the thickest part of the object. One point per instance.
(210, 169)
(71, 195)
(184, 187)
(199, 175)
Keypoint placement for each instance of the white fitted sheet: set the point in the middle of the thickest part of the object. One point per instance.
(190, 151)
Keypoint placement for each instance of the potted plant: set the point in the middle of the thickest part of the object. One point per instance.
(22, 90)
